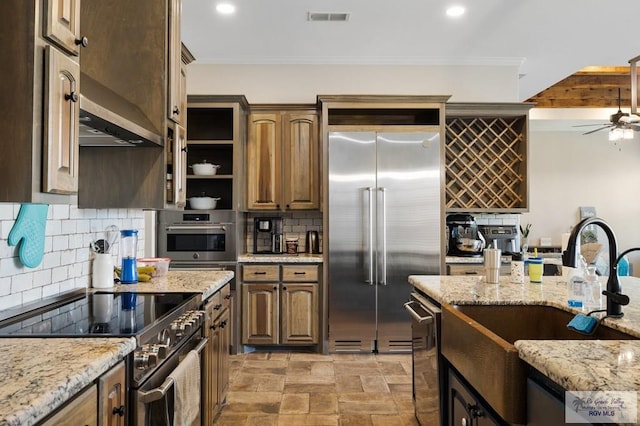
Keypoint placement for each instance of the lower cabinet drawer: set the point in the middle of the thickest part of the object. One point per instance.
(300, 273)
(257, 273)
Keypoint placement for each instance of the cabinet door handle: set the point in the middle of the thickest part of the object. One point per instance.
(118, 410)
(185, 149)
(217, 307)
(176, 110)
(82, 41)
(223, 324)
(227, 297)
(213, 327)
(73, 97)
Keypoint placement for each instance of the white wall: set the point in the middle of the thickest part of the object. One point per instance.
(302, 83)
(569, 170)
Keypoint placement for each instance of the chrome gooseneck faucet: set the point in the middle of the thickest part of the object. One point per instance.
(615, 299)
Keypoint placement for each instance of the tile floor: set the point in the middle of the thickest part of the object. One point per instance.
(290, 388)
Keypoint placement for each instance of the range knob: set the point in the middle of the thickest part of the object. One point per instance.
(145, 358)
(159, 350)
(164, 337)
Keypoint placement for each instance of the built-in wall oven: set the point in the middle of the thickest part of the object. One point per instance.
(427, 383)
(197, 239)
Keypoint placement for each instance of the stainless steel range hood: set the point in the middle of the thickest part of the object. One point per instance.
(108, 119)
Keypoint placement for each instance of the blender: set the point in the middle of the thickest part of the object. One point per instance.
(128, 253)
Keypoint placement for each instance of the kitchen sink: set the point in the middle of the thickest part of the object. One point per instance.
(478, 341)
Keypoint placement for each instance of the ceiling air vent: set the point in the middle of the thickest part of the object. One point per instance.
(327, 16)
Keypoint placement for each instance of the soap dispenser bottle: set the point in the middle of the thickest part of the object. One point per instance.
(592, 290)
(576, 285)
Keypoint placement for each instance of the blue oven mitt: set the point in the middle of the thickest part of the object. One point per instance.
(28, 231)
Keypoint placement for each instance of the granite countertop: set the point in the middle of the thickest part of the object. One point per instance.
(205, 282)
(38, 375)
(576, 365)
(280, 258)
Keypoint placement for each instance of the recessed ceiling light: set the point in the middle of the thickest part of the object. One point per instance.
(225, 8)
(455, 11)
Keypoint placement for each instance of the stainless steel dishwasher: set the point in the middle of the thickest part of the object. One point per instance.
(425, 333)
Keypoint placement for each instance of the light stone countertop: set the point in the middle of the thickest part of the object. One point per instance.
(205, 282)
(576, 365)
(39, 375)
(280, 258)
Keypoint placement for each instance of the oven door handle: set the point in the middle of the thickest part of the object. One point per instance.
(159, 392)
(196, 228)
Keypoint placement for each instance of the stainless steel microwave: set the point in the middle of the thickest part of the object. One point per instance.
(198, 236)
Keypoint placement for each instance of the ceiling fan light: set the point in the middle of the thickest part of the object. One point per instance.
(615, 134)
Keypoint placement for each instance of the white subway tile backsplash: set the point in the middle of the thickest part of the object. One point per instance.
(60, 242)
(23, 282)
(42, 277)
(9, 267)
(5, 286)
(32, 295)
(66, 263)
(59, 211)
(6, 211)
(51, 289)
(61, 273)
(10, 301)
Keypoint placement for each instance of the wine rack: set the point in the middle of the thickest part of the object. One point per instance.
(486, 159)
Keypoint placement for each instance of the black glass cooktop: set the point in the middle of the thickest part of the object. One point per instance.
(96, 314)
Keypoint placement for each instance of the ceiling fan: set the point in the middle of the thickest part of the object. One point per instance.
(619, 121)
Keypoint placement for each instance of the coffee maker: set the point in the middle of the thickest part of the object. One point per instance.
(267, 235)
(463, 236)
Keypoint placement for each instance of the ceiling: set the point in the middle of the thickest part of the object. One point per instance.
(547, 40)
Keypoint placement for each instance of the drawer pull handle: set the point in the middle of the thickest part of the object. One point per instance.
(260, 273)
(299, 273)
(118, 411)
(217, 307)
(227, 297)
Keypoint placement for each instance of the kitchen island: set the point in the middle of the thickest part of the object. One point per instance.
(576, 365)
(38, 375)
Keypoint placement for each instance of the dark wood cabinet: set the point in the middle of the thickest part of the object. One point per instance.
(217, 329)
(280, 304)
(283, 160)
(464, 407)
(38, 98)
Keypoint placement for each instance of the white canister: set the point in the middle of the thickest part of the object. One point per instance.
(102, 271)
(517, 269)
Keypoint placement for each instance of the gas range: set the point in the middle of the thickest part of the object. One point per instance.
(160, 322)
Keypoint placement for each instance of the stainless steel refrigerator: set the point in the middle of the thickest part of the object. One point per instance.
(385, 218)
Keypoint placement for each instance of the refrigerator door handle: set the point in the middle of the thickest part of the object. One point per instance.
(370, 280)
(383, 274)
